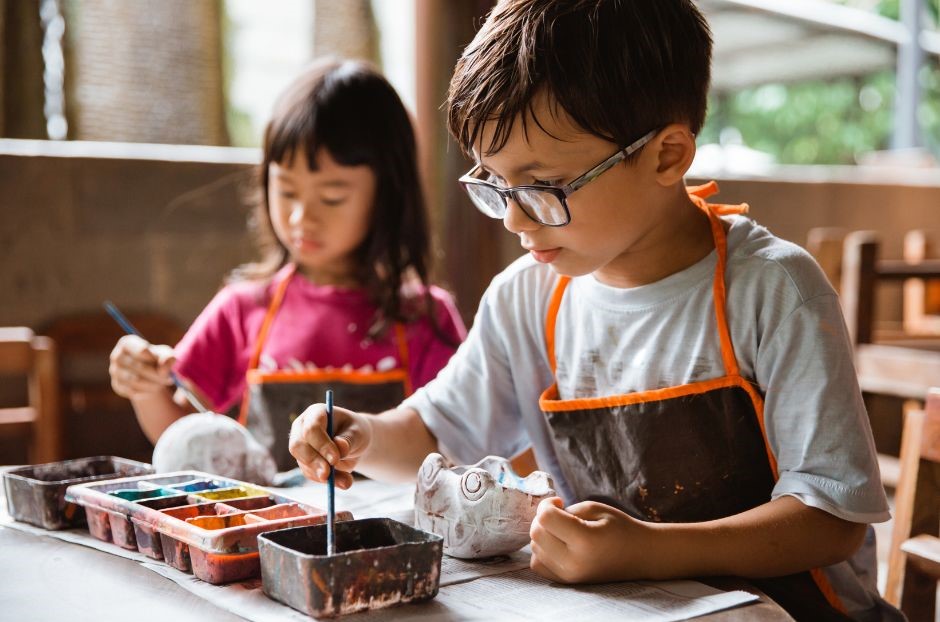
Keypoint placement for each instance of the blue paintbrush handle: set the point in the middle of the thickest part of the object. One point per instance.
(125, 324)
(330, 484)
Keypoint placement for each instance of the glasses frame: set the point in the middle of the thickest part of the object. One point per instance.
(560, 192)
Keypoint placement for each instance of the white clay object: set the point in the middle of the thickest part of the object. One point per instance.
(480, 510)
(215, 444)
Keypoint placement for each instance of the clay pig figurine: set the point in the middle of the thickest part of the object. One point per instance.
(480, 510)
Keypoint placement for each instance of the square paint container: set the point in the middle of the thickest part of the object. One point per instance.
(36, 494)
(379, 562)
(195, 522)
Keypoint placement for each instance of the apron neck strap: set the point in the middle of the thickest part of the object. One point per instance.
(552, 315)
(276, 301)
(401, 335)
(698, 194)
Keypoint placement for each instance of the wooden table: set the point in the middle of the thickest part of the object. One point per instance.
(44, 578)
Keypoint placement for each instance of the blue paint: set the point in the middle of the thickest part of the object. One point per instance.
(197, 485)
(134, 494)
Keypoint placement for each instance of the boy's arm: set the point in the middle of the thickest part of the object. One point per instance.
(389, 446)
(400, 443)
(592, 542)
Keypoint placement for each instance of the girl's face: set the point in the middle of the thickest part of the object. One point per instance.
(321, 216)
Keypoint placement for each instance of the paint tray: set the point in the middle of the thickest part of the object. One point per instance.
(36, 494)
(194, 521)
(379, 562)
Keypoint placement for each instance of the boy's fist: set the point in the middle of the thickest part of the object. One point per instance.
(314, 450)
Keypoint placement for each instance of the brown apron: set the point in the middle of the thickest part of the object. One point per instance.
(273, 399)
(688, 453)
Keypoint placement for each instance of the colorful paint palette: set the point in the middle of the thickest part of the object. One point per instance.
(36, 494)
(194, 521)
(379, 562)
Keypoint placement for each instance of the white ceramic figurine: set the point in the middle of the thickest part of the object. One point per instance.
(480, 510)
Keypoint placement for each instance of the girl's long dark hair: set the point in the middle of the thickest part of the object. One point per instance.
(350, 109)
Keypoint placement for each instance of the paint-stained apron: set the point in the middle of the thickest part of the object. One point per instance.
(688, 453)
(273, 399)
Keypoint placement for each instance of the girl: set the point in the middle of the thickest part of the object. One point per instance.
(340, 298)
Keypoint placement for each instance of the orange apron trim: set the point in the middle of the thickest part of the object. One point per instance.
(402, 336)
(256, 376)
(553, 306)
(822, 582)
(269, 316)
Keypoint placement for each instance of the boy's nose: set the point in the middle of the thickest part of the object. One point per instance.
(516, 220)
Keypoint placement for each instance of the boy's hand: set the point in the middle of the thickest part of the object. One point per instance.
(589, 543)
(139, 369)
(315, 452)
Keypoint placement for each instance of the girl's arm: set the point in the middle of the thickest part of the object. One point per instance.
(157, 411)
(141, 373)
(593, 542)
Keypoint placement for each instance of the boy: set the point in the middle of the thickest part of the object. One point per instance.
(684, 376)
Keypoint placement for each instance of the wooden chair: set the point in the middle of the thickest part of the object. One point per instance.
(98, 421)
(32, 357)
(914, 556)
(890, 362)
(921, 297)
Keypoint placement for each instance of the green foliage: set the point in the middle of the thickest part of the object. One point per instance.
(238, 122)
(826, 122)
(820, 122)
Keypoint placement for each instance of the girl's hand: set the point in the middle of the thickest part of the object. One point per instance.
(590, 543)
(315, 452)
(139, 369)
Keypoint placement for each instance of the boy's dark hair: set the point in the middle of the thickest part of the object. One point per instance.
(619, 68)
(350, 109)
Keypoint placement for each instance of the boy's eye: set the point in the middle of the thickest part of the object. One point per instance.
(496, 180)
(546, 182)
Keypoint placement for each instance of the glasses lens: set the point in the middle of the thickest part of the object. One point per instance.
(544, 207)
(487, 200)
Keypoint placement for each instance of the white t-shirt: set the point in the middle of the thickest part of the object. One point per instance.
(789, 337)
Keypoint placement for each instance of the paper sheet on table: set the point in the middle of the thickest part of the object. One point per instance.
(518, 595)
(501, 588)
(523, 595)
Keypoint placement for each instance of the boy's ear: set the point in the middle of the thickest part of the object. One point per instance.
(675, 150)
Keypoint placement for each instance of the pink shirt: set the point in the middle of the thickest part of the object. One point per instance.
(316, 326)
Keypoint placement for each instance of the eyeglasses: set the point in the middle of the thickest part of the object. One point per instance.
(547, 205)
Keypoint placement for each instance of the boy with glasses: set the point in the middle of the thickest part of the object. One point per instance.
(683, 375)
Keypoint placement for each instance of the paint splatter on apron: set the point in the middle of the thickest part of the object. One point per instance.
(688, 453)
(273, 399)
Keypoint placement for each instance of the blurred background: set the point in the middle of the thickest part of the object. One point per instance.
(129, 133)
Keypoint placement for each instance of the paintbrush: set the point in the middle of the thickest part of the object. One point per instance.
(330, 483)
(124, 323)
